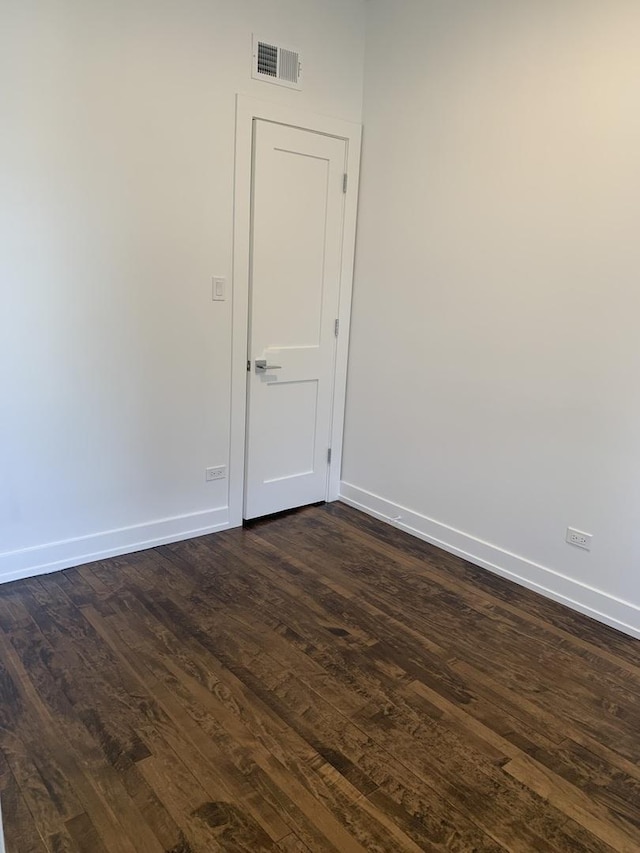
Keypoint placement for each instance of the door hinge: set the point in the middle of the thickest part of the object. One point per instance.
(329, 456)
(345, 182)
(248, 365)
(336, 328)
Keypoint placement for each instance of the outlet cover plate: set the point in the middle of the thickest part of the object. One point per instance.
(579, 538)
(219, 472)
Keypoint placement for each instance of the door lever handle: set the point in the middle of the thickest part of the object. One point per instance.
(261, 364)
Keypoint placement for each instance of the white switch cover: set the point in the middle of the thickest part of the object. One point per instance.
(219, 291)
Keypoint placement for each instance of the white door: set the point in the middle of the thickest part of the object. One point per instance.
(296, 253)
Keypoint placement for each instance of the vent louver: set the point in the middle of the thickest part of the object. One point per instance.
(289, 65)
(276, 64)
(267, 59)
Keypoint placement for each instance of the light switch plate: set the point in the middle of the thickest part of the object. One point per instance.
(219, 289)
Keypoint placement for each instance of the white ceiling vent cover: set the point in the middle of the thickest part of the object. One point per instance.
(276, 64)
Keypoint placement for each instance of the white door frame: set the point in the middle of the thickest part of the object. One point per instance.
(248, 109)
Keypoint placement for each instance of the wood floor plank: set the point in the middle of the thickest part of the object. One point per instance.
(318, 681)
(84, 834)
(161, 822)
(31, 754)
(532, 673)
(569, 624)
(20, 832)
(422, 749)
(217, 776)
(358, 823)
(292, 844)
(83, 764)
(595, 818)
(181, 795)
(422, 583)
(231, 717)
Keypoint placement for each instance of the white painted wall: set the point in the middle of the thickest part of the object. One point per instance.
(495, 353)
(116, 208)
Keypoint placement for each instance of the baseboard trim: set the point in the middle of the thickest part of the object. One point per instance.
(55, 556)
(606, 608)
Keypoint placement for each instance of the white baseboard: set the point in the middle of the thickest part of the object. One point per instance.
(586, 599)
(54, 556)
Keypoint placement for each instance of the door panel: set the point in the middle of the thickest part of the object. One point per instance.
(297, 227)
(292, 408)
(289, 253)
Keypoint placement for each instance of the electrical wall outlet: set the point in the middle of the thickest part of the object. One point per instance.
(217, 473)
(578, 538)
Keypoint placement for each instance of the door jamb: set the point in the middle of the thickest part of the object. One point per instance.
(248, 109)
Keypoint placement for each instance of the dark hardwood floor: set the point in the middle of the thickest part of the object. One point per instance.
(317, 682)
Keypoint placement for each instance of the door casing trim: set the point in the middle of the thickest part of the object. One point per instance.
(248, 109)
